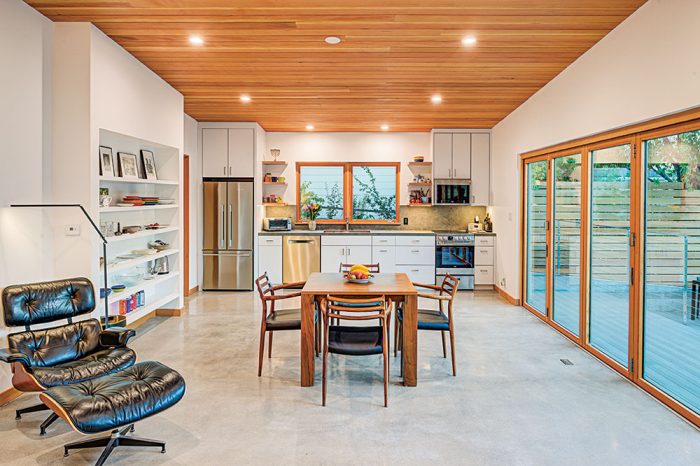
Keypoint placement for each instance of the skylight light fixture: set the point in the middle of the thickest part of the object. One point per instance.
(436, 99)
(196, 40)
(332, 40)
(384, 127)
(245, 98)
(469, 40)
(309, 127)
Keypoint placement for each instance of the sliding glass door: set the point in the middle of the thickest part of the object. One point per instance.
(566, 241)
(536, 235)
(609, 270)
(671, 318)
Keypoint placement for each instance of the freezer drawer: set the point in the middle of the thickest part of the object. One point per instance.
(228, 271)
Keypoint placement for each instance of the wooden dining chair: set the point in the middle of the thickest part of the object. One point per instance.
(345, 268)
(432, 319)
(274, 320)
(356, 340)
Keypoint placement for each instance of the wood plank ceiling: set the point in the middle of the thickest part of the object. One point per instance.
(393, 57)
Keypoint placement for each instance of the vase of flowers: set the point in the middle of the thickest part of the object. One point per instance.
(311, 211)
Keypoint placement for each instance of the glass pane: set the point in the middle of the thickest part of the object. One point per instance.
(322, 185)
(610, 253)
(536, 235)
(373, 193)
(567, 241)
(672, 267)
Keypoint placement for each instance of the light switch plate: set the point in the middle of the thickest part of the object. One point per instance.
(72, 230)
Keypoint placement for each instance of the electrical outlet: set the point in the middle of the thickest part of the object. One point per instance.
(503, 282)
(405, 220)
(72, 230)
(510, 216)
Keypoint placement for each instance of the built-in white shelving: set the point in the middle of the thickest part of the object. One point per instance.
(141, 234)
(115, 297)
(148, 308)
(107, 210)
(109, 179)
(129, 263)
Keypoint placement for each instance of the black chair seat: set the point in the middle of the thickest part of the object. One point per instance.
(119, 399)
(285, 319)
(355, 341)
(429, 319)
(96, 364)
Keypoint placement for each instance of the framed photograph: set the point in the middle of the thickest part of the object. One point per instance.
(106, 161)
(128, 165)
(149, 165)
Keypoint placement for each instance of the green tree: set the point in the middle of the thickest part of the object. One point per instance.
(368, 203)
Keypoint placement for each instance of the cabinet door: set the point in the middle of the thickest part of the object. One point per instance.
(214, 152)
(359, 254)
(418, 273)
(332, 257)
(481, 169)
(270, 261)
(461, 156)
(442, 155)
(385, 256)
(241, 153)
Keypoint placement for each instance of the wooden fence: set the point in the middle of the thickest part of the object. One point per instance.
(672, 231)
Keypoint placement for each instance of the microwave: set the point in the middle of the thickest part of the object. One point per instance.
(277, 224)
(452, 192)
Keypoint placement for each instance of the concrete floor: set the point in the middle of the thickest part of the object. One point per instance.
(512, 402)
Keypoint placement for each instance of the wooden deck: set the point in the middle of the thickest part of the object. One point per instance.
(672, 339)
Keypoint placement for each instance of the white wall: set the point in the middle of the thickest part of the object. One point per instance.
(645, 68)
(195, 182)
(348, 147)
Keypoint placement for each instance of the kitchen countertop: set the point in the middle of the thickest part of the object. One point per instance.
(355, 232)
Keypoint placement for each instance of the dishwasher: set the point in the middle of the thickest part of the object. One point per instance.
(301, 256)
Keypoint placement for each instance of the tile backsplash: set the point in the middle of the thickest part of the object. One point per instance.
(419, 218)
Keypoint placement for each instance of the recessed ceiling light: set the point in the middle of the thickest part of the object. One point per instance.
(245, 98)
(196, 40)
(469, 40)
(309, 127)
(384, 127)
(332, 40)
(436, 99)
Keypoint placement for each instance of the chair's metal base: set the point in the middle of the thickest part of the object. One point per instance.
(32, 409)
(117, 438)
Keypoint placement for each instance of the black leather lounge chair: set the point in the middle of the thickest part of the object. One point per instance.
(64, 355)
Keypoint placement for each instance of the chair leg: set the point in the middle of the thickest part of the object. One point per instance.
(30, 409)
(444, 347)
(269, 347)
(396, 334)
(49, 420)
(262, 349)
(116, 439)
(325, 358)
(452, 352)
(385, 354)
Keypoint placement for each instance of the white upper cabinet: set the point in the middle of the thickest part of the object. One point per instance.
(461, 156)
(215, 152)
(241, 152)
(481, 169)
(442, 155)
(228, 152)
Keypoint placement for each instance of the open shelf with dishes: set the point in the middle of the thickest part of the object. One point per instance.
(140, 217)
(274, 183)
(420, 188)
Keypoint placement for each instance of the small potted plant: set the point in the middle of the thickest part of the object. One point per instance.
(311, 211)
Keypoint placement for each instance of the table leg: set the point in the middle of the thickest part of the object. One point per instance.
(410, 341)
(307, 340)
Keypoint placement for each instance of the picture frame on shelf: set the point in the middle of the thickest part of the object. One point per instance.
(148, 162)
(106, 161)
(128, 165)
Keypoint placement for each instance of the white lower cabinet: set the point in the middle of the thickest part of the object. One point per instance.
(344, 249)
(418, 273)
(331, 258)
(484, 260)
(385, 256)
(270, 257)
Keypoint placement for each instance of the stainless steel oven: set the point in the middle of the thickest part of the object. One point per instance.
(454, 254)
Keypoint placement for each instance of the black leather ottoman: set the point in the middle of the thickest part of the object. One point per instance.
(115, 402)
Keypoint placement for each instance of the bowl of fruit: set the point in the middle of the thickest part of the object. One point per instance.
(358, 273)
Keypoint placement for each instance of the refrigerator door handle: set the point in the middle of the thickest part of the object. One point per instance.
(230, 226)
(222, 238)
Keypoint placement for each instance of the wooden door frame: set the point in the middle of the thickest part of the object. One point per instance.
(186, 223)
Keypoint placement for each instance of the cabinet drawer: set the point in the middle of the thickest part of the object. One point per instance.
(483, 255)
(383, 240)
(415, 240)
(346, 240)
(270, 240)
(415, 255)
(418, 273)
(483, 275)
(385, 256)
(483, 240)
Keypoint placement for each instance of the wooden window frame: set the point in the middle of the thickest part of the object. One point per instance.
(348, 191)
(635, 135)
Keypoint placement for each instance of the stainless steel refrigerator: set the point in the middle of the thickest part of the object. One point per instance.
(228, 235)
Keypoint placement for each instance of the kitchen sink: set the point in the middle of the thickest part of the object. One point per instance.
(344, 232)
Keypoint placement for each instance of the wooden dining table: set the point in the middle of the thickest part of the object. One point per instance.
(394, 286)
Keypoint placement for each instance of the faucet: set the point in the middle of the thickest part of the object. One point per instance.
(347, 224)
